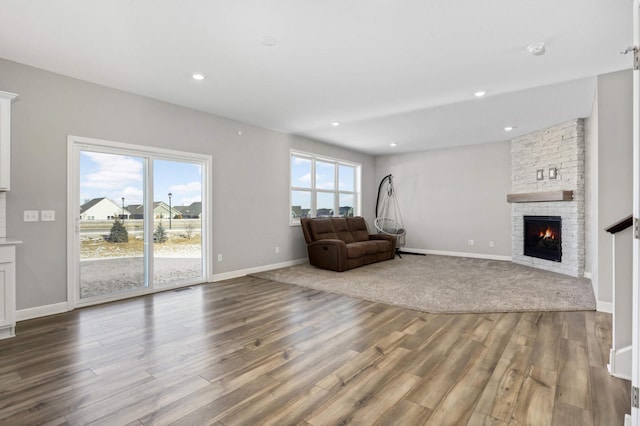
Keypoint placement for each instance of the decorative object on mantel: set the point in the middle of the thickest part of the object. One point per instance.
(553, 173)
(540, 174)
(536, 197)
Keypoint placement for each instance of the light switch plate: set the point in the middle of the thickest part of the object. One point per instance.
(48, 215)
(31, 215)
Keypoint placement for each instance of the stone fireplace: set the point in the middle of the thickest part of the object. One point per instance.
(547, 181)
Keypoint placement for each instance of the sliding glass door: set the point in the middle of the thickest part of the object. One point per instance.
(137, 220)
(177, 221)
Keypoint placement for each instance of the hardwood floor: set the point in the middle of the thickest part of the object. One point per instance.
(250, 351)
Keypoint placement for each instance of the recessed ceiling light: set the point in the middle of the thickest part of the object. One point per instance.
(198, 76)
(393, 144)
(335, 123)
(536, 49)
(269, 41)
(508, 128)
(480, 93)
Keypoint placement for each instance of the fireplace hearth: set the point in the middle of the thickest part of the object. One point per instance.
(543, 237)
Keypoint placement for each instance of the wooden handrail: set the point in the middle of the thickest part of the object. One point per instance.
(620, 225)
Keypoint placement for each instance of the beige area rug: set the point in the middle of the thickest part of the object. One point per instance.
(443, 284)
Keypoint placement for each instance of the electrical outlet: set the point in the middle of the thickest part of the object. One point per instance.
(31, 215)
(492, 243)
(470, 242)
(48, 215)
(277, 249)
(219, 257)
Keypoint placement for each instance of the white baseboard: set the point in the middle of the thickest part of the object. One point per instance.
(41, 311)
(8, 332)
(587, 275)
(606, 307)
(243, 272)
(620, 363)
(459, 254)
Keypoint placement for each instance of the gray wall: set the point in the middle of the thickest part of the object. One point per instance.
(450, 196)
(614, 168)
(250, 173)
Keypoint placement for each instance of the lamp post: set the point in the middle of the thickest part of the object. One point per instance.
(123, 208)
(170, 194)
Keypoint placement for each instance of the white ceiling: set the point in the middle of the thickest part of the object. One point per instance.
(389, 70)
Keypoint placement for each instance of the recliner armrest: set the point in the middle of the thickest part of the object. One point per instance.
(339, 245)
(328, 254)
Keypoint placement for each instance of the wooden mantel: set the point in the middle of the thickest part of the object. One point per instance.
(536, 197)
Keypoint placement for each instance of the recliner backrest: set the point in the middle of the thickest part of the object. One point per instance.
(322, 229)
(358, 228)
(341, 228)
(349, 230)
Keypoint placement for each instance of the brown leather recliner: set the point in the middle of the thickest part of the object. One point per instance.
(339, 243)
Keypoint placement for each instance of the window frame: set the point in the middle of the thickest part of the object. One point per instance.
(313, 190)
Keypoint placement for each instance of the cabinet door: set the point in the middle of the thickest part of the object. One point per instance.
(5, 139)
(7, 295)
(5, 148)
(7, 291)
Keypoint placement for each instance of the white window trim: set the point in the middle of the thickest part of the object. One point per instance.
(357, 192)
(75, 144)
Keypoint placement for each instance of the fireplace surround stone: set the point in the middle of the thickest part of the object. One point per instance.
(562, 148)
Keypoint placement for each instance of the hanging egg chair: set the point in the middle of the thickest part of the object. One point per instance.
(388, 218)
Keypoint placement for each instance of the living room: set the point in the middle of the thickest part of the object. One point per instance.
(458, 180)
(449, 195)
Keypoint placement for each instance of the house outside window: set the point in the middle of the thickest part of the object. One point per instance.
(323, 187)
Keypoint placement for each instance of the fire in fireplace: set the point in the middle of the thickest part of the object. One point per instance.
(543, 237)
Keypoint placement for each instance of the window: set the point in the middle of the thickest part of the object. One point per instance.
(323, 187)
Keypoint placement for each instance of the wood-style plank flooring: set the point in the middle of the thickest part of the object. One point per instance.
(249, 351)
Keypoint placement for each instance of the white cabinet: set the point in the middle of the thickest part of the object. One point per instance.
(7, 249)
(7, 291)
(5, 139)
